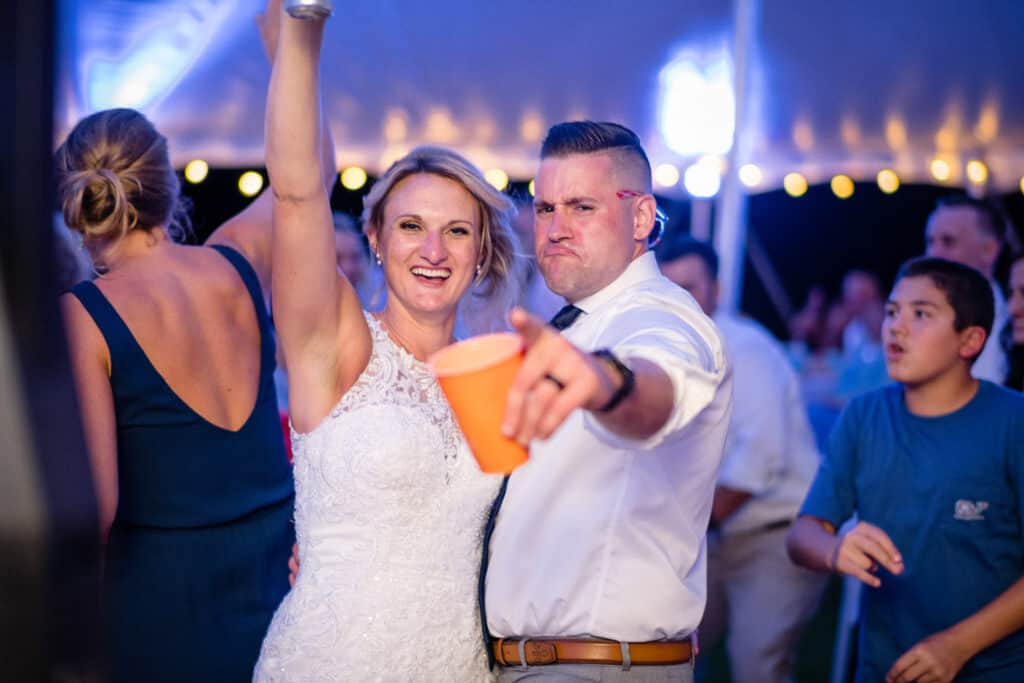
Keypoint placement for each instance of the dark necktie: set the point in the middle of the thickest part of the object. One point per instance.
(563, 319)
(566, 317)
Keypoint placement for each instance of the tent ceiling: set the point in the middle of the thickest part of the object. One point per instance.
(836, 87)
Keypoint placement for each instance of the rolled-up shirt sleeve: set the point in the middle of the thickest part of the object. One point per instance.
(684, 344)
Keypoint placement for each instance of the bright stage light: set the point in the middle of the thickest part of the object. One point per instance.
(196, 171)
(795, 184)
(353, 178)
(697, 108)
(250, 183)
(888, 181)
(842, 186)
(532, 188)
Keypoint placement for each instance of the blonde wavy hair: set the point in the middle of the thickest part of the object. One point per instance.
(499, 247)
(114, 176)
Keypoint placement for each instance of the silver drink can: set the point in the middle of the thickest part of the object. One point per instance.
(309, 9)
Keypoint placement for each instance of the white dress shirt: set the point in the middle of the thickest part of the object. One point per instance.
(604, 536)
(770, 450)
(991, 364)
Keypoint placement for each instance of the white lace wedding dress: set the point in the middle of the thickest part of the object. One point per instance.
(389, 512)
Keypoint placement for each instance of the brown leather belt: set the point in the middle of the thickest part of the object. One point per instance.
(540, 652)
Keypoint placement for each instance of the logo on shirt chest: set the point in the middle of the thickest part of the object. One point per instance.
(970, 511)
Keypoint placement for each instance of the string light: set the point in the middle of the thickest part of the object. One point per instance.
(704, 178)
(353, 178)
(751, 175)
(941, 170)
(666, 175)
(977, 172)
(888, 181)
(196, 171)
(795, 184)
(497, 178)
(842, 186)
(250, 183)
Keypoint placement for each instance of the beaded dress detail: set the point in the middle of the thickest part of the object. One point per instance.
(389, 514)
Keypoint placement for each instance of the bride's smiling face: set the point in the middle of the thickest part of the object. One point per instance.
(429, 243)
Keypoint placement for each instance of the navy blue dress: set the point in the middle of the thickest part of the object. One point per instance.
(197, 559)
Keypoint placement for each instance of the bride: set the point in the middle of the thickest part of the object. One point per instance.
(390, 506)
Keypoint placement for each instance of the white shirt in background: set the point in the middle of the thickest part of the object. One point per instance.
(991, 364)
(770, 451)
(602, 536)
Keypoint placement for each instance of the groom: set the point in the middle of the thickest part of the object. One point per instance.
(597, 557)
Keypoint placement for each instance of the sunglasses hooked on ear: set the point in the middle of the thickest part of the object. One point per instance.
(660, 217)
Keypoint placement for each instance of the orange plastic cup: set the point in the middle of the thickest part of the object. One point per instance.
(475, 376)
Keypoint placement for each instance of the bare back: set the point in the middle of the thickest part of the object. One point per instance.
(193, 317)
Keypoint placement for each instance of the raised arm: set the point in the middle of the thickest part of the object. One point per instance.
(249, 231)
(320, 325)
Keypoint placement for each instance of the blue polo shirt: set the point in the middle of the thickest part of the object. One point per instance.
(949, 492)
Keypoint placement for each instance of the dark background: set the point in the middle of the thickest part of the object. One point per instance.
(813, 239)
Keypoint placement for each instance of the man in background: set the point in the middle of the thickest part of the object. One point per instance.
(754, 592)
(970, 231)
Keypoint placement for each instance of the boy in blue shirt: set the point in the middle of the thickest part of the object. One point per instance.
(934, 468)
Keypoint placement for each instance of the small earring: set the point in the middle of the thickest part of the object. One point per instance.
(380, 262)
(478, 270)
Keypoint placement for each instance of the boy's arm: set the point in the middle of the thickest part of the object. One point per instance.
(859, 552)
(940, 657)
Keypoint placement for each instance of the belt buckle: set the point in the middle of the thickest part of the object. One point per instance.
(539, 652)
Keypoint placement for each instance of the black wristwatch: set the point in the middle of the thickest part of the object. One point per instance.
(625, 387)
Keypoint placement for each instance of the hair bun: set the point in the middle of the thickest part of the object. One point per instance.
(114, 176)
(96, 204)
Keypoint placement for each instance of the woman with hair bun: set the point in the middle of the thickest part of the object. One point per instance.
(173, 360)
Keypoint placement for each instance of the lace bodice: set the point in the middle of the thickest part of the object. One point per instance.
(389, 513)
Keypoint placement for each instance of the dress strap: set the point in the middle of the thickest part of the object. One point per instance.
(248, 275)
(115, 331)
(252, 283)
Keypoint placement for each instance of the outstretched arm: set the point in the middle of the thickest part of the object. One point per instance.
(537, 406)
(316, 312)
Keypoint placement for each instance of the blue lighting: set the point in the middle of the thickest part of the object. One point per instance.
(140, 77)
(697, 107)
(133, 59)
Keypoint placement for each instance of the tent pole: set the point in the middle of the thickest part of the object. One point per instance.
(731, 213)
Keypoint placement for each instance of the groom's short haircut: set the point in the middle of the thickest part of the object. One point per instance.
(591, 137)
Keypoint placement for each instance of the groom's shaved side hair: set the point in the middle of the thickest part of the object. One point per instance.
(591, 137)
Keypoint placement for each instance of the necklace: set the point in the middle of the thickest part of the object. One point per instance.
(394, 336)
